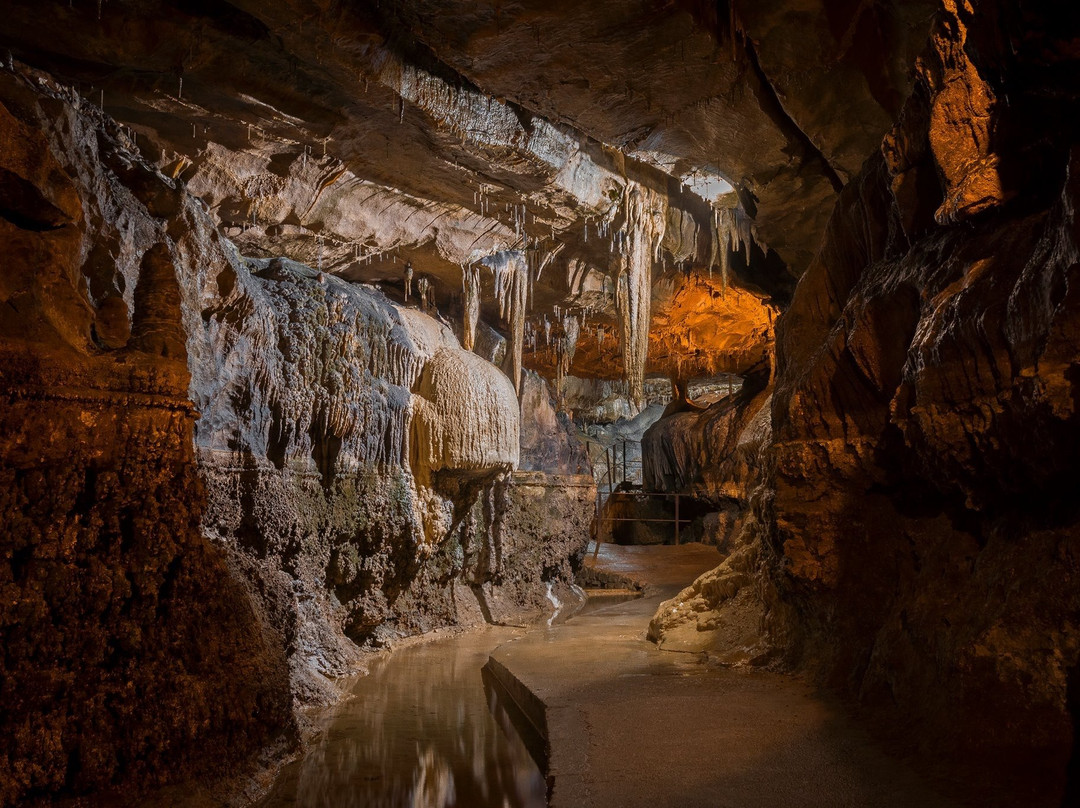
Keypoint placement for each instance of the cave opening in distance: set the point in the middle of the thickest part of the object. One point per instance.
(494, 403)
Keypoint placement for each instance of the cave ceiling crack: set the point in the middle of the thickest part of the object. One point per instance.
(771, 99)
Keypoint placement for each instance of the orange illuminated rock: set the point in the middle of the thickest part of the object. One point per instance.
(698, 328)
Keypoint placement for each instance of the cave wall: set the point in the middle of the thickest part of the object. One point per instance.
(292, 435)
(718, 457)
(132, 651)
(921, 519)
(701, 452)
(548, 436)
(360, 460)
(223, 475)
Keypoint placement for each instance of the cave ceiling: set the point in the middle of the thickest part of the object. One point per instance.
(356, 137)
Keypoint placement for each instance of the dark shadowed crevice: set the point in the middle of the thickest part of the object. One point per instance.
(771, 103)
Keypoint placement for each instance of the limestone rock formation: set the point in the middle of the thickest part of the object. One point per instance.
(718, 456)
(133, 651)
(925, 427)
(293, 359)
(222, 474)
(910, 541)
(549, 439)
(711, 453)
(458, 415)
(722, 612)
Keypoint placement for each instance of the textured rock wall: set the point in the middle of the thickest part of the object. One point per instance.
(709, 453)
(221, 475)
(718, 456)
(922, 520)
(132, 651)
(531, 527)
(343, 444)
(549, 442)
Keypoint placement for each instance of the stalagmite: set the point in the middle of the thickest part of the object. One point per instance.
(470, 287)
(408, 281)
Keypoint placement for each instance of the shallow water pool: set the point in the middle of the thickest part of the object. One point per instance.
(418, 733)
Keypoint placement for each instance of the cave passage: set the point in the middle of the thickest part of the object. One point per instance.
(326, 328)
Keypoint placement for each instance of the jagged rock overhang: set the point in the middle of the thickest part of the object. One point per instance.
(336, 93)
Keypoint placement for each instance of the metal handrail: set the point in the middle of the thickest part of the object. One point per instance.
(600, 519)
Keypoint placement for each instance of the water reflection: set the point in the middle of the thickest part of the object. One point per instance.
(418, 734)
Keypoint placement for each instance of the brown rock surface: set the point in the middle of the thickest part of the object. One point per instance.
(222, 473)
(717, 456)
(926, 432)
(208, 483)
(132, 651)
(549, 440)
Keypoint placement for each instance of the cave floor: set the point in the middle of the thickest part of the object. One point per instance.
(628, 724)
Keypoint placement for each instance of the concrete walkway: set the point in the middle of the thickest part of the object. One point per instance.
(628, 725)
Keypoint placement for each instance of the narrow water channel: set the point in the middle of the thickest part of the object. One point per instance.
(418, 733)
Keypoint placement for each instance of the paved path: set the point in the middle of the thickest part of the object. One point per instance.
(628, 725)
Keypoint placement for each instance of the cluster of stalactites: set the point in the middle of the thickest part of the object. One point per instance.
(565, 348)
(731, 232)
(511, 272)
(470, 286)
(645, 212)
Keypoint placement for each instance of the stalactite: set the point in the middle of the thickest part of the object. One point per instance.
(470, 286)
(732, 231)
(571, 333)
(565, 348)
(423, 288)
(530, 275)
(511, 291)
(645, 212)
